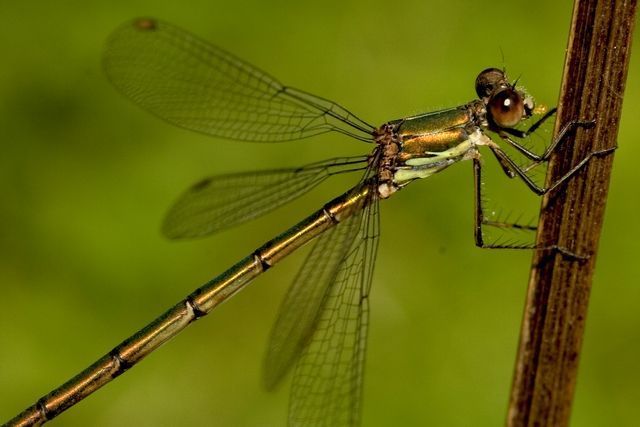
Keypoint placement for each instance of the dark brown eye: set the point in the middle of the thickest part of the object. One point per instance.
(506, 108)
(488, 81)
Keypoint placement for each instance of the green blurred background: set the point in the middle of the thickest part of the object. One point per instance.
(86, 178)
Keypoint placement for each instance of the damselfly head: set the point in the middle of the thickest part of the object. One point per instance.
(506, 105)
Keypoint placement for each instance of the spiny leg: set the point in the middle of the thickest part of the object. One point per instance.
(480, 220)
(512, 169)
(504, 159)
(537, 159)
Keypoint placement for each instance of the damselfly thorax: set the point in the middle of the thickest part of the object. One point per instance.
(420, 146)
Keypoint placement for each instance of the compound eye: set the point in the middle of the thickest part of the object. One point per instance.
(506, 108)
(488, 81)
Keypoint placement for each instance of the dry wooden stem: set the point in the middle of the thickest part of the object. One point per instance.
(556, 307)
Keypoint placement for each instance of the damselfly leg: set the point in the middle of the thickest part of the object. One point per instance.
(512, 170)
(565, 132)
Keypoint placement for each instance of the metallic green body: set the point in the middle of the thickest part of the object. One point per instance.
(430, 142)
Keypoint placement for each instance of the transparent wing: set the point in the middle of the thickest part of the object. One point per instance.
(328, 379)
(323, 325)
(223, 201)
(301, 307)
(196, 85)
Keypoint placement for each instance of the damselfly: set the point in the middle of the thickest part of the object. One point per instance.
(322, 325)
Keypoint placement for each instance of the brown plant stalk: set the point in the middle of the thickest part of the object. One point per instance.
(571, 216)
